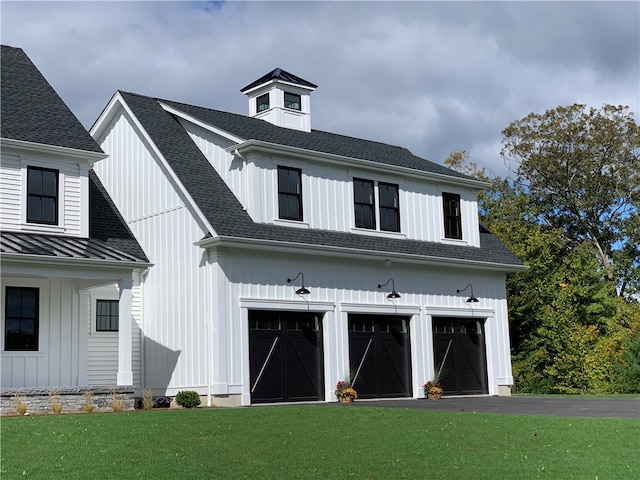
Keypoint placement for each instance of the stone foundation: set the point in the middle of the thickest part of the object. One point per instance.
(504, 390)
(72, 399)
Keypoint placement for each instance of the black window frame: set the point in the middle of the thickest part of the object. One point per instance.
(364, 207)
(33, 338)
(110, 318)
(296, 100)
(452, 215)
(37, 195)
(260, 102)
(289, 199)
(389, 213)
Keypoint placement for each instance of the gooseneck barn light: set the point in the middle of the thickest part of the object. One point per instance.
(302, 290)
(471, 299)
(393, 293)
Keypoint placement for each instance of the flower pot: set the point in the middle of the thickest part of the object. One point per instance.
(434, 396)
(345, 399)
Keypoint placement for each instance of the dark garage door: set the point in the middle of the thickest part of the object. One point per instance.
(465, 367)
(379, 347)
(285, 356)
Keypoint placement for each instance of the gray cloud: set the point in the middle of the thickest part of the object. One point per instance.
(434, 77)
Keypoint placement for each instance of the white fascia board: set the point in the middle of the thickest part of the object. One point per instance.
(106, 118)
(343, 252)
(267, 147)
(200, 123)
(26, 259)
(274, 81)
(74, 153)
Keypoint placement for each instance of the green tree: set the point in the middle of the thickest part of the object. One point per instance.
(581, 169)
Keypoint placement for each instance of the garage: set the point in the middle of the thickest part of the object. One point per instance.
(460, 343)
(285, 356)
(379, 353)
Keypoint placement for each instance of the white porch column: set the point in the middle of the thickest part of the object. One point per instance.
(125, 373)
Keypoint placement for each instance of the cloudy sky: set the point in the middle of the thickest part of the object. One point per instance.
(431, 76)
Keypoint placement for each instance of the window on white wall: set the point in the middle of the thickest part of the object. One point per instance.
(21, 319)
(42, 195)
(289, 193)
(262, 102)
(452, 216)
(107, 315)
(388, 198)
(292, 101)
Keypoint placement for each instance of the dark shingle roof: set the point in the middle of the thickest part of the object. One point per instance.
(106, 224)
(315, 140)
(59, 246)
(32, 110)
(226, 215)
(279, 74)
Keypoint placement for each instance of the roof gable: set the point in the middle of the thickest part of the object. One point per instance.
(225, 214)
(32, 111)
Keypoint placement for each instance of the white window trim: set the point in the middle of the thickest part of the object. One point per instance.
(43, 316)
(95, 296)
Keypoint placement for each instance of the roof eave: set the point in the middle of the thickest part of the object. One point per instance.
(74, 262)
(53, 149)
(287, 247)
(252, 145)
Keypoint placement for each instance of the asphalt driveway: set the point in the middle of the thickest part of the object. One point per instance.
(560, 406)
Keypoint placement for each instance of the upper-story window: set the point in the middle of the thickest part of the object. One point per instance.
(292, 101)
(21, 319)
(388, 214)
(365, 203)
(452, 217)
(389, 207)
(107, 315)
(290, 193)
(262, 103)
(42, 195)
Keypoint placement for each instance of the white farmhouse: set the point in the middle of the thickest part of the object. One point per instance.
(286, 257)
(70, 266)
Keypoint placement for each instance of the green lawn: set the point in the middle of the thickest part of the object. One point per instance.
(320, 442)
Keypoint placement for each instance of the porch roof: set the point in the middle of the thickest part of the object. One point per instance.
(63, 247)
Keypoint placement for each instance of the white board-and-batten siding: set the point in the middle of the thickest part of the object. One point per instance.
(175, 288)
(72, 189)
(327, 192)
(57, 361)
(340, 286)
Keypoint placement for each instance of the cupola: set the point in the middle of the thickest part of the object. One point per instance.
(281, 98)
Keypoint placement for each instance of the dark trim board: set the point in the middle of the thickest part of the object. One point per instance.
(380, 354)
(462, 340)
(285, 356)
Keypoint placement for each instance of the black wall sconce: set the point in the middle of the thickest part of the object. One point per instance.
(471, 299)
(302, 290)
(393, 293)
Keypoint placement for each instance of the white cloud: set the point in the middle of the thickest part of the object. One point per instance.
(434, 77)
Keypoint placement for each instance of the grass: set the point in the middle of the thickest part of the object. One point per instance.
(317, 442)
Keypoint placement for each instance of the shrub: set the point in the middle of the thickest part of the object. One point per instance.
(188, 399)
(87, 404)
(56, 404)
(147, 399)
(117, 402)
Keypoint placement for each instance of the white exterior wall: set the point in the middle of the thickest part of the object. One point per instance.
(56, 363)
(102, 347)
(327, 193)
(338, 287)
(73, 187)
(175, 294)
